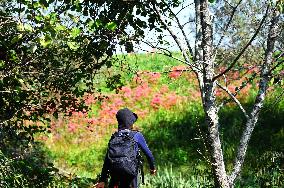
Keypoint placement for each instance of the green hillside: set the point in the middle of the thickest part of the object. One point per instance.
(164, 93)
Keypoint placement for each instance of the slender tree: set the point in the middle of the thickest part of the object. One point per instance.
(200, 55)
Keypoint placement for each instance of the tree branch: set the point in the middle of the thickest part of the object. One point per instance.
(169, 54)
(234, 99)
(263, 84)
(278, 64)
(229, 23)
(182, 30)
(184, 8)
(178, 42)
(245, 47)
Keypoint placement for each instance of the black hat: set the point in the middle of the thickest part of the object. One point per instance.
(125, 118)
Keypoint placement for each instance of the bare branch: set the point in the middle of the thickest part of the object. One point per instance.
(2, 23)
(179, 43)
(190, 21)
(228, 3)
(169, 53)
(245, 47)
(229, 23)
(182, 30)
(184, 8)
(278, 64)
(234, 99)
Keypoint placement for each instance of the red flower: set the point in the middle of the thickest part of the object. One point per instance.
(156, 101)
(72, 127)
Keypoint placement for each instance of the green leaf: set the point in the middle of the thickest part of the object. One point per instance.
(45, 41)
(73, 45)
(277, 53)
(36, 5)
(60, 27)
(16, 38)
(28, 28)
(33, 48)
(38, 18)
(98, 22)
(75, 32)
(74, 18)
(44, 3)
(91, 25)
(111, 26)
(211, 1)
(20, 27)
(2, 64)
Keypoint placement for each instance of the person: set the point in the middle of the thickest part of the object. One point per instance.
(126, 118)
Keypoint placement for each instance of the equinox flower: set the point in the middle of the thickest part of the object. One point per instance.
(156, 101)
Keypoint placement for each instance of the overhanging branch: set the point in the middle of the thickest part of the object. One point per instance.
(182, 30)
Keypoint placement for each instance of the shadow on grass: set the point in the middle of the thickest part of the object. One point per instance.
(175, 139)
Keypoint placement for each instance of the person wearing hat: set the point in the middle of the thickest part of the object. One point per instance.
(126, 118)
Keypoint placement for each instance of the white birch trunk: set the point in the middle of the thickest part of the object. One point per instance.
(207, 87)
(263, 85)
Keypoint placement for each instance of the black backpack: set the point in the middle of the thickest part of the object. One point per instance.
(123, 154)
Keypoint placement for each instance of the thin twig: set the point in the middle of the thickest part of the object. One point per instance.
(179, 43)
(184, 8)
(229, 23)
(245, 47)
(182, 30)
(234, 98)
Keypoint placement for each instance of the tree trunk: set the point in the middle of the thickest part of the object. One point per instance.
(207, 87)
(274, 32)
(212, 121)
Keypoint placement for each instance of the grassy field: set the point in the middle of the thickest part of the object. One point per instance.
(164, 94)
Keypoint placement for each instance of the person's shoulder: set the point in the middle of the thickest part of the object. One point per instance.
(138, 135)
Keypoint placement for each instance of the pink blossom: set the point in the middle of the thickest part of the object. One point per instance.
(154, 76)
(92, 121)
(164, 89)
(90, 99)
(231, 88)
(175, 74)
(139, 92)
(138, 79)
(236, 75)
(118, 102)
(72, 127)
(127, 91)
(156, 101)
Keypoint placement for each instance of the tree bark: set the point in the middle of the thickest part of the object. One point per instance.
(207, 86)
(263, 85)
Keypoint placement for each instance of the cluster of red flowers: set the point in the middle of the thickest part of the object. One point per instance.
(177, 71)
(240, 82)
(143, 95)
